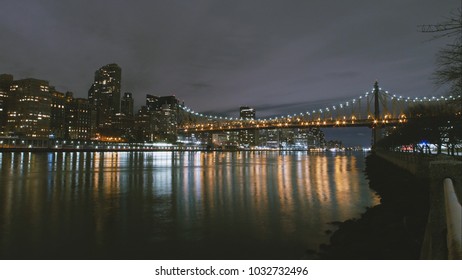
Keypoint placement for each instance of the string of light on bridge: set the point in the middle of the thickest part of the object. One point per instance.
(331, 108)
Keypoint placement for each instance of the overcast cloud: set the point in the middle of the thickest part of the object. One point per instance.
(219, 55)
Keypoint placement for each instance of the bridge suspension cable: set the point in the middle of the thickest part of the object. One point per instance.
(398, 104)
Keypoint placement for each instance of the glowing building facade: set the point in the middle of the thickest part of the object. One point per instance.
(5, 83)
(104, 94)
(247, 137)
(29, 108)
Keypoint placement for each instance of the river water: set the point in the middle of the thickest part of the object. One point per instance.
(176, 205)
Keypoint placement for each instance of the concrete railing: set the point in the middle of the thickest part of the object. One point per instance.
(443, 235)
(453, 221)
(417, 164)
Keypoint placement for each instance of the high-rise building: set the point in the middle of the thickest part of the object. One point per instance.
(144, 125)
(29, 108)
(167, 118)
(247, 137)
(164, 110)
(5, 83)
(167, 122)
(306, 138)
(123, 127)
(152, 102)
(268, 138)
(247, 113)
(127, 104)
(228, 139)
(78, 118)
(296, 138)
(104, 94)
(57, 117)
(79, 125)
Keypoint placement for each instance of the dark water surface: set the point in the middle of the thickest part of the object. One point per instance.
(175, 205)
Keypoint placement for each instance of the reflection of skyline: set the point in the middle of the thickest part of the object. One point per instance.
(176, 197)
(278, 191)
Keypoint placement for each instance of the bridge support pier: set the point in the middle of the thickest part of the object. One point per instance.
(376, 136)
(376, 130)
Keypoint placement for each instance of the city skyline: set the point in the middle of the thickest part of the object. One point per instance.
(105, 116)
(217, 57)
(34, 114)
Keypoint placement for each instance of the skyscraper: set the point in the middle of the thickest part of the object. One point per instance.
(247, 113)
(57, 120)
(29, 109)
(152, 102)
(5, 82)
(104, 94)
(144, 125)
(164, 110)
(78, 118)
(247, 137)
(127, 104)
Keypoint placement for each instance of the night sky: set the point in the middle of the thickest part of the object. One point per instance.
(277, 56)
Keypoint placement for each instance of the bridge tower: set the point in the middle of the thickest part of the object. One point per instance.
(376, 130)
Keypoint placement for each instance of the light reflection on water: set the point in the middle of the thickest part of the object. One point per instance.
(163, 205)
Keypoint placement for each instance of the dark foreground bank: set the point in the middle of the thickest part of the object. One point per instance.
(394, 229)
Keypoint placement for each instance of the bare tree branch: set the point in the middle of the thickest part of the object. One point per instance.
(449, 58)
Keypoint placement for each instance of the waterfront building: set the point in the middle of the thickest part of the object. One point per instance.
(126, 105)
(247, 137)
(93, 123)
(122, 126)
(247, 113)
(155, 103)
(164, 111)
(104, 94)
(29, 108)
(297, 138)
(144, 125)
(268, 138)
(78, 118)
(57, 117)
(305, 138)
(5, 83)
(219, 139)
(167, 118)
(227, 139)
(152, 102)
(233, 138)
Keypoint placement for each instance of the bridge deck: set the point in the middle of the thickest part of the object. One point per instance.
(255, 124)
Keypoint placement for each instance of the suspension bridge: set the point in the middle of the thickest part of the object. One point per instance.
(374, 109)
(377, 107)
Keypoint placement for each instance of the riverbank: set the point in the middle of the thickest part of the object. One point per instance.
(394, 229)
